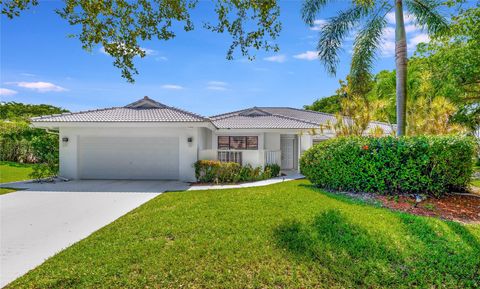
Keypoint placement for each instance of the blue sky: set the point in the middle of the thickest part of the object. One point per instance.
(40, 64)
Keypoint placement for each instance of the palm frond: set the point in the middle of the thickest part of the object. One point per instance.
(427, 15)
(310, 9)
(333, 34)
(365, 46)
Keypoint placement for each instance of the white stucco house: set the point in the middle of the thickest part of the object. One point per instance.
(149, 140)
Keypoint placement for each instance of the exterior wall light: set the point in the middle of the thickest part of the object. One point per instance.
(64, 139)
(190, 140)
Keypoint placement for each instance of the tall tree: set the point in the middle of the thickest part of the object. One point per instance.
(370, 16)
(121, 25)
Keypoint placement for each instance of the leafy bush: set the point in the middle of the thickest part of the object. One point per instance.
(208, 171)
(17, 137)
(227, 172)
(274, 170)
(45, 148)
(430, 165)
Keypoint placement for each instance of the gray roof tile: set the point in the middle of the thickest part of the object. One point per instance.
(144, 110)
(280, 117)
(149, 110)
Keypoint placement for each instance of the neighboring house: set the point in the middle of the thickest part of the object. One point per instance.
(150, 140)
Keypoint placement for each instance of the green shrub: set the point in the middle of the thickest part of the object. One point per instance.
(209, 171)
(45, 149)
(206, 170)
(430, 165)
(246, 173)
(274, 170)
(228, 172)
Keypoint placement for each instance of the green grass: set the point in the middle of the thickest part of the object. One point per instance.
(476, 183)
(287, 235)
(4, 191)
(12, 172)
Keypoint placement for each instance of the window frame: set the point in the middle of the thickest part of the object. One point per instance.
(250, 141)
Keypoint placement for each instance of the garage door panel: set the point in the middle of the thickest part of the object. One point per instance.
(129, 157)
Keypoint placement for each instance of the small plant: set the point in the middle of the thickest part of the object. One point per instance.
(42, 171)
(274, 170)
(211, 171)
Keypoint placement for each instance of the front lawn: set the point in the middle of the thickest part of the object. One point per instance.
(287, 235)
(4, 191)
(12, 172)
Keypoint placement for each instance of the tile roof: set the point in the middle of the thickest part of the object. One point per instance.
(149, 110)
(279, 117)
(143, 110)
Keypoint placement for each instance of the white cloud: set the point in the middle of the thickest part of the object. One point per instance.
(7, 92)
(39, 86)
(387, 45)
(418, 39)
(411, 28)
(280, 58)
(172, 86)
(217, 85)
(27, 74)
(161, 58)
(388, 33)
(149, 51)
(318, 24)
(387, 48)
(407, 17)
(308, 55)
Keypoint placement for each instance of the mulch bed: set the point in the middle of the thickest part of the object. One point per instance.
(464, 208)
(455, 207)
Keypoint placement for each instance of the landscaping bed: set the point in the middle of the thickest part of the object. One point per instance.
(462, 208)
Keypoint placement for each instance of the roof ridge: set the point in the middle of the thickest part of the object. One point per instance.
(237, 113)
(187, 112)
(75, 112)
(228, 113)
(146, 98)
(323, 113)
(294, 118)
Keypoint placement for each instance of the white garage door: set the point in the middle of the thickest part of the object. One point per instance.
(140, 158)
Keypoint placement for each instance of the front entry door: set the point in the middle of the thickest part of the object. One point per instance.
(287, 148)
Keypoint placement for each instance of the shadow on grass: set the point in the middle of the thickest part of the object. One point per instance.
(353, 257)
(446, 251)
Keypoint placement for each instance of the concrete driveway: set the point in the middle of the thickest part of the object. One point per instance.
(46, 218)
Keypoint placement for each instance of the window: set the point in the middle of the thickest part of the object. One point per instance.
(223, 142)
(252, 143)
(238, 142)
(225, 156)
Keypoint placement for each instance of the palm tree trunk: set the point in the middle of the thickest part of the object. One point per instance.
(401, 64)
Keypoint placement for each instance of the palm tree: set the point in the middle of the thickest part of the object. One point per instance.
(369, 18)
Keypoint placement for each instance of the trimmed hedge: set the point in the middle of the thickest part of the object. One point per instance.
(208, 171)
(432, 165)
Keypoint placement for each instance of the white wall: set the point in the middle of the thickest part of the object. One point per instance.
(272, 141)
(267, 141)
(187, 151)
